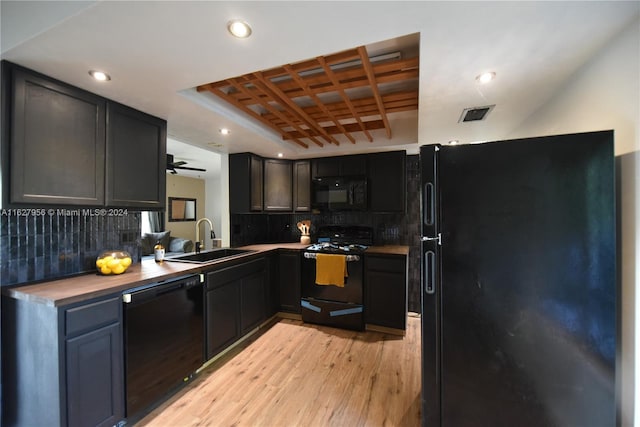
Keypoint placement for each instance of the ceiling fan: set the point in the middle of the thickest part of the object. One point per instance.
(172, 166)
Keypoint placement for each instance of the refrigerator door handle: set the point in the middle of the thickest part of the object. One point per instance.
(433, 239)
(430, 272)
(429, 204)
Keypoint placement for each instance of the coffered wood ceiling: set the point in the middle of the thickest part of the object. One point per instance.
(326, 100)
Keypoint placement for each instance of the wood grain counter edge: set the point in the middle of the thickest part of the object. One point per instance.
(88, 286)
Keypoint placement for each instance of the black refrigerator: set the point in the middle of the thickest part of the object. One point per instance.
(519, 290)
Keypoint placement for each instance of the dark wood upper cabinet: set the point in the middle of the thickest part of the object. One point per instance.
(302, 186)
(387, 181)
(325, 166)
(245, 183)
(136, 158)
(353, 165)
(256, 167)
(278, 189)
(57, 142)
(286, 185)
(66, 146)
(339, 166)
(270, 185)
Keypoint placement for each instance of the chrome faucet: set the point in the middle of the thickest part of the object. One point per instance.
(202, 245)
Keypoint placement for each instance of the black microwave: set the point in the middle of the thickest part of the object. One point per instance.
(340, 193)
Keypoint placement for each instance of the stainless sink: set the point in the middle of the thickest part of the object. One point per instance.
(208, 256)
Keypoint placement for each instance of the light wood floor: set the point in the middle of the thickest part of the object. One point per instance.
(296, 374)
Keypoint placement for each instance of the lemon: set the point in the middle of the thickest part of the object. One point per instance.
(113, 262)
(118, 269)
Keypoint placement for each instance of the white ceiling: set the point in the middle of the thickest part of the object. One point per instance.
(156, 51)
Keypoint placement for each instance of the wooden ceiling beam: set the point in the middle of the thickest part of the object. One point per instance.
(319, 102)
(402, 69)
(396, 102)
(310, 64)
(282, 98)
(353, 127)
(240, 86)
(374, 87)
(250, 112)
(371, 112)
(348, 78)
(344, 97)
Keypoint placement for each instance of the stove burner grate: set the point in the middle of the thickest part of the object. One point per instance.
(336, 247)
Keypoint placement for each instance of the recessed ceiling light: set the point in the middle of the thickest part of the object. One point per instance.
(486, 77)
(453, 142)
(239, 29)
(99, 75)
(280, 155)
(225, 131)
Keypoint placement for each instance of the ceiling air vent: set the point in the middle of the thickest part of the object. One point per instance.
(475, 114)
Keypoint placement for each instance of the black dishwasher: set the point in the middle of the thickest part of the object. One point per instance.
(164, 339)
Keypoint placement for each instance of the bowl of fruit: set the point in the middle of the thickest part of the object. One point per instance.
(113, 262)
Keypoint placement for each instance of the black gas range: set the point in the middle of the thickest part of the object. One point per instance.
(342, 239)
(337, 248)
(340, 305)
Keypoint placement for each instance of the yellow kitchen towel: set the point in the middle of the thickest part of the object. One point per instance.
(331, 269)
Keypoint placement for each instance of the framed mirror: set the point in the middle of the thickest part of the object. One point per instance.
(182, 209)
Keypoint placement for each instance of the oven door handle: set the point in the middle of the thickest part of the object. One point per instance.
(350, 258)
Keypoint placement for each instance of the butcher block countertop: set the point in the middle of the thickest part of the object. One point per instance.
(388, 250)
(87, 286)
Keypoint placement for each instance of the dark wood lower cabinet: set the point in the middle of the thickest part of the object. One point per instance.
(62, 366)
(94, 393)
(236, 302)
(386, 290)
(223, 317)
(252, 301)
(273, 284)
(289, 280)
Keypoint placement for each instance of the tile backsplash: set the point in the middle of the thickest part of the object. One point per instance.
(61, 242)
